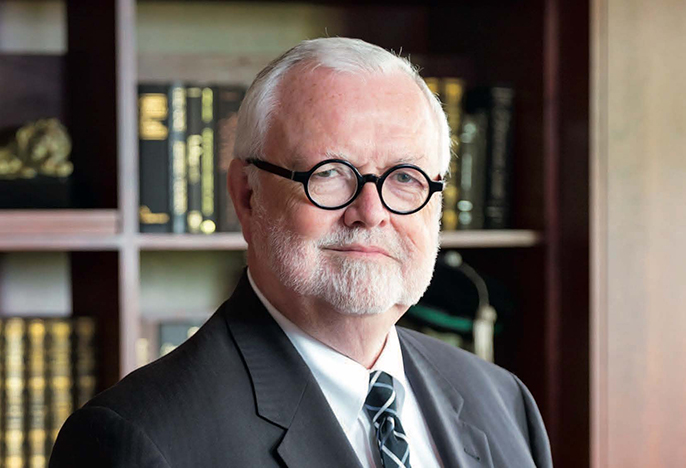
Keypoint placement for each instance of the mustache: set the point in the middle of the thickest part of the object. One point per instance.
(386, 240)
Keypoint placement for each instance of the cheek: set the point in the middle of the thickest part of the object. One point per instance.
(311, 222)
(421, 229)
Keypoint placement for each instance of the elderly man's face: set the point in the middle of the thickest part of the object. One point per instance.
(361, 259)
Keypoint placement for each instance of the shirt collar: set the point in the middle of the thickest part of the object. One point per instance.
(343, 381)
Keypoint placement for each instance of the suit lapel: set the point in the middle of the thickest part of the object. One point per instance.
(459, 444)
(286, 392)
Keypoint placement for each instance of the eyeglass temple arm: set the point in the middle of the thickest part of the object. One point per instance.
(274, 169)
(437, 185)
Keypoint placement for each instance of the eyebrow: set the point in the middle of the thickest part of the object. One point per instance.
(299, 160)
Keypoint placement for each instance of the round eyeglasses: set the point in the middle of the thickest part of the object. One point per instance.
(335, 183)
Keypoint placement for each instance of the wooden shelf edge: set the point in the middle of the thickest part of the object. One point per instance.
(220, 241)
(235, 241)
(44, 242)
(47, 223)
(506, 238)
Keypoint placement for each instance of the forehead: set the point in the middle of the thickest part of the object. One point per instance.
(368, 119)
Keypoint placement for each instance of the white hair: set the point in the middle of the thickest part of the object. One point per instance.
(340, 55)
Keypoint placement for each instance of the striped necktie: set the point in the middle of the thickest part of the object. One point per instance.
(380, 406)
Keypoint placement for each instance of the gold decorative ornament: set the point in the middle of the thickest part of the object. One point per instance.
(38, 148)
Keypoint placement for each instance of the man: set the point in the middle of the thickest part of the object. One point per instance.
(340, 153)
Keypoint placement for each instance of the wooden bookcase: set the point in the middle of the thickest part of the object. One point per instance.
(541, 47)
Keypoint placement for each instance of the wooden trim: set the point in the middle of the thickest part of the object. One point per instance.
(491, 239)
(599, 430)
(32, 243)
(51, 222)
(219, 241)
(127, 158)
(551, 153)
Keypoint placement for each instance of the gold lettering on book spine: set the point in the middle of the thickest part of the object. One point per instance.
(153, 108)
(59, 376)
(452, 90)
(194, 154)
(207, 203)
(37, 417)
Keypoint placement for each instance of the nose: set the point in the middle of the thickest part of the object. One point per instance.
(367, 209)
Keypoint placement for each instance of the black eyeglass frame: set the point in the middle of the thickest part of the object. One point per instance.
(304, 176)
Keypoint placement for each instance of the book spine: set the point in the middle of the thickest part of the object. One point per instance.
(14, 383)
(60, 381)
(208, 165)
(452, 90)
(194, 155)
(153, 132)
(177, 159)
(37, 426)
(498, 194)
(85, 359)
(228, 101)
(472, 171)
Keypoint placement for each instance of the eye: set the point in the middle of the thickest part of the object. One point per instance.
(326, 174)
(404, 177)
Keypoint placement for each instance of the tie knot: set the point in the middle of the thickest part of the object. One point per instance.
(381, 397)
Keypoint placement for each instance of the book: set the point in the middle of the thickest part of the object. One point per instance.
(207, 163)
(194, 152)
(85, 359)
(60, 380)
(470, 206)
(498, 104)
(227, 100)
(452, 90)
(13, 415)
(176, 153)
(153, 132)
(37, 411)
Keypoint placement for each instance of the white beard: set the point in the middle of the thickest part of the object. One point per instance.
(353, 286)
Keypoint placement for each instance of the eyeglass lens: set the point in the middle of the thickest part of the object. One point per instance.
(334, 184)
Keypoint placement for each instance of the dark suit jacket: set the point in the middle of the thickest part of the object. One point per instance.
(238, 394)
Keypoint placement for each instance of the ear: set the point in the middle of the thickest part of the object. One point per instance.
(241, 195)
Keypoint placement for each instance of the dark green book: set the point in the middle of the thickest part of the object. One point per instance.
(194, 152)
(153, 133)
(498, 104)
(177, 158)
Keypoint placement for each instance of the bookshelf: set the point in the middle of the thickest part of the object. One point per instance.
(538, 46)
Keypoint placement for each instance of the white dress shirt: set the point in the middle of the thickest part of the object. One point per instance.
(344, 383)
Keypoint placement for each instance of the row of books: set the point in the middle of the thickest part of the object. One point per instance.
(186, 134)
(47, 369)
(478, 193)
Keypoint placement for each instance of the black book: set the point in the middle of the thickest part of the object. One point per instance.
(153, 133)
(473, 159)
(497, 103)
(193, 158)
(227, 101)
